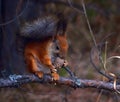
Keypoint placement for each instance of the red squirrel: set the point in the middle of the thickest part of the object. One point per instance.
(47, 39)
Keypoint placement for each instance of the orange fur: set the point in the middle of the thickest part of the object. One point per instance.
(40, 50)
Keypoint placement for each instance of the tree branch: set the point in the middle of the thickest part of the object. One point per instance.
(15, 80)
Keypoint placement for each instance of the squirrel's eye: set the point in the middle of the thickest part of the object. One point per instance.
(57, 47)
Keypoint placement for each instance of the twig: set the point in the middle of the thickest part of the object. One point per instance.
(57, 2)
(93, 37)
(95, 66)
(91, 32)
(16, 17)
(15, 80)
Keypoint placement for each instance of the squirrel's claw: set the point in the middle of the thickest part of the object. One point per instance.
(55, 76)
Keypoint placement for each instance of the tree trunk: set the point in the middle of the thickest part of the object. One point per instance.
(11, 62)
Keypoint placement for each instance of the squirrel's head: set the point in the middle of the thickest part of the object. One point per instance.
(61, 37)
(62, 45)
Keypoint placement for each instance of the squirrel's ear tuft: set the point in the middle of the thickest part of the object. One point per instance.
(61, 24)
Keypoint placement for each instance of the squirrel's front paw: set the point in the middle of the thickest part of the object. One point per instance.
(55, 76)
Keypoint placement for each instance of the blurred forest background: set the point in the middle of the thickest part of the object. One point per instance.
(104, 18)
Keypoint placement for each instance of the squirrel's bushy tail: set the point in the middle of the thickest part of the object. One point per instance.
(40, 29)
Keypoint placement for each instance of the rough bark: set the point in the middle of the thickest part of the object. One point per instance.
(17, 80)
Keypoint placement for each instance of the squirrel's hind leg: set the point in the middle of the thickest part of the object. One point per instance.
(32, 65)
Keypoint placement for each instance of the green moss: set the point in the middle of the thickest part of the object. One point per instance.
(62, 72)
